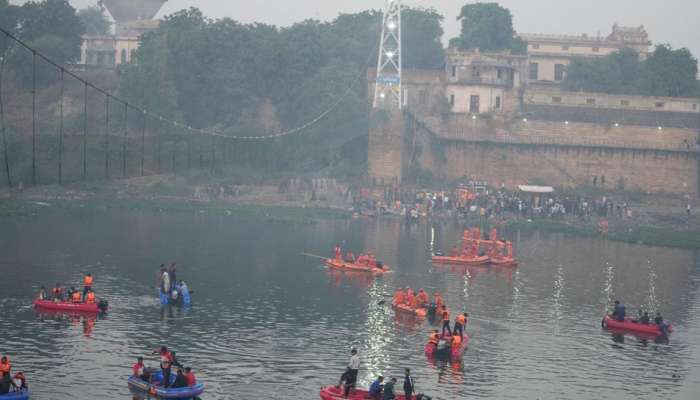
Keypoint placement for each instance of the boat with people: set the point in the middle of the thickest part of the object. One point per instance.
(363, 263)
(336, 393)
(67, 306)
(420, 312)
(139, 385)
(628, 325)
(446, 348)
(473, 250)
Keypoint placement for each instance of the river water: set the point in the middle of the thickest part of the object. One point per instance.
(267, 322)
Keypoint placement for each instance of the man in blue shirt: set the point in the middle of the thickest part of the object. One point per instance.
(375, 389)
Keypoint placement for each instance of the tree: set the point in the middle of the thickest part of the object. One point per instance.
(615, 73)
(94, 21)
(488, 27)
(670, 72)
(421, 37)
(53, 28)
(8, 21)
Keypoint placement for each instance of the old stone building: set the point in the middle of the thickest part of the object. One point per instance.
(482, 117)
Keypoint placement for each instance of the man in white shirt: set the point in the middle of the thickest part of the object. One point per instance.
(350, 375)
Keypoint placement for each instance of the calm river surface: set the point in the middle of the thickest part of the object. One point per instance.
(269, 323)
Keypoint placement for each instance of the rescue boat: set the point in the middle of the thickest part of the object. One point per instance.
(445, 348)
(66, 306)
(335, 393)
(627, 325)
(349, 266)
(449, 260)
(406, 309)
(23, 395)
(139, 385)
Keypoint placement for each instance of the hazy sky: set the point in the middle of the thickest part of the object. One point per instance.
(667, 21)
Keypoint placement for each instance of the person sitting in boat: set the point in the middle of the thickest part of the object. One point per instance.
(6, 383)
(189, 377)
(90, 297)
(57, 293)
(362, 259)
(139, 369)
(434, 338)
(20, 381)
(661, 323)
(75, 297)
(375, 389)
(180, 380)
(371, 260)
(645, 319)
(454, 252)
(43, 295)
(399, 297)
(423, 298)
(619, 311)
(416, 303)
(409, 295)
(349, 257)
(5, 365)
(445, 321)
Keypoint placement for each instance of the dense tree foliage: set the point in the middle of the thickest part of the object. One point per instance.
(94, 20)
(51, 27)
(488, 27)
(665, 72)
(256, 79)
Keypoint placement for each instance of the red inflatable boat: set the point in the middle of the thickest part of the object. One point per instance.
(406, 309)
(446, 260)
(334, 393)
(348, 266)
(70, 307)
(629, 326)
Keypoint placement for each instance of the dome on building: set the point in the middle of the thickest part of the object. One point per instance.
(133, 10)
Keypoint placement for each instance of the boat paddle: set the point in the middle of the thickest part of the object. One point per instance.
(314, 256)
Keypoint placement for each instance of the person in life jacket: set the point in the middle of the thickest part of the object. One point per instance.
(409, 295)
(439, 302)
(349, 257)
(399, 297)
(76, 297)
(454, 252)
(5, 365)
(337, 252)
(509, 249)
(460, 322)
(90, 298)
(57, 293)
(166, 363)
(416, 303)
(87, 284)
(445, 321)
(434, 338)
(423, 297)
(138, 368)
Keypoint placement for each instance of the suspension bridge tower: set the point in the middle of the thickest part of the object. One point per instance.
(387, 122)
(388, 92)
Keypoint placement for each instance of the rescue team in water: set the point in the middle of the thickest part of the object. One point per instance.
(60, 295)
(378, 390)
(11, 384)
(618, 320)
(365, 262)
(169, 289)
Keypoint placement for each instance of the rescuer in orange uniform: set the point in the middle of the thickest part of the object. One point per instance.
(87, 284)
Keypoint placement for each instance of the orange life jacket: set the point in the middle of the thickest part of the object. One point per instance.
(439, 302)
(87, 281)
(416, 303)
(456, 341)
(76, 297)
(424, 299)
(461, 320)
(90, 298)
(434, 338)
(398, 297)
(445, 315)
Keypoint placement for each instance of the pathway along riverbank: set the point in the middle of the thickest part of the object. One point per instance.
(658, 221)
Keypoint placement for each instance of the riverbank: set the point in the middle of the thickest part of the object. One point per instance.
(653, 225)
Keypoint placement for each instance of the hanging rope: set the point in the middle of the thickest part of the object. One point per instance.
(126, 134)
(34, 118)
(107, 136)
(3, 59)
(60, 131)
(85, 131)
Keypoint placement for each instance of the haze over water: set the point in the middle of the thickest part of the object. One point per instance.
(267, 322)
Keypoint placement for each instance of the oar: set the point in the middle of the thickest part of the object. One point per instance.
(314, 256)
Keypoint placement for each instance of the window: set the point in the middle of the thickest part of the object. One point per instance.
(556, 100)
(625, 103)
(452, 100)
(535, 46)
(559, 72)
(498, 102)
(659, 105)
(476, 72)
(123, 56)
(534, 71)
(474, 103)
(454, 71)
(596, 49)
(499, 73)
(565, 48)
(590, 101)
